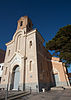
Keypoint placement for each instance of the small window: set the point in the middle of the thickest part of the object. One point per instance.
(6, 71)
(30, 66)
(8, 52)
(30, 44)
(21, 23)
(2, 67)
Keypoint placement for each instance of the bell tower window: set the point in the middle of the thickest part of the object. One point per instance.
(21, 23)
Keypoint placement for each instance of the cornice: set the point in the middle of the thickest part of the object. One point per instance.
(20, 30)
(28, 33)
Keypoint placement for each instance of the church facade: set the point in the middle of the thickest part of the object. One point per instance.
(27, 64)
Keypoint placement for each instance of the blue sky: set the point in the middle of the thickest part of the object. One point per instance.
(47, 16)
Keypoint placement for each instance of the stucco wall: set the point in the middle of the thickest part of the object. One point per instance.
(59, 69)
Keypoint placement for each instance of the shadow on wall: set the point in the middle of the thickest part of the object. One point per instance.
(45, 70)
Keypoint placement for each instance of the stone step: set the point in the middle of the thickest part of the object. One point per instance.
(13, 94)
(58, 88)
(18, 96)
(67, 87)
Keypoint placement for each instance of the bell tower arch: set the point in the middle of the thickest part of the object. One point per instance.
(25, 23)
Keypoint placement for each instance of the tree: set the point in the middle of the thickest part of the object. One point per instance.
(62, 43)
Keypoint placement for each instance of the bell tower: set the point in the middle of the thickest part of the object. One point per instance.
(25, 23)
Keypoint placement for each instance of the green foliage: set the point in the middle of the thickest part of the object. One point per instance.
(62, 43)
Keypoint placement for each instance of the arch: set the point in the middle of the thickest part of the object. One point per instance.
(18, 42)
(15, 77)
(20, 31)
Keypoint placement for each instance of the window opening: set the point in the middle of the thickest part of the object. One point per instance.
(30, 44)
(8, 52)
(30, 65)
(21, 23)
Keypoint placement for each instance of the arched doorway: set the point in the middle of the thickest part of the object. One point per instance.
(16, 77)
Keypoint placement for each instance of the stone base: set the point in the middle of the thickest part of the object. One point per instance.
(33, 87)
(62, 84)
(3, 86)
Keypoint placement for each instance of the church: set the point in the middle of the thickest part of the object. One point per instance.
(27, 63)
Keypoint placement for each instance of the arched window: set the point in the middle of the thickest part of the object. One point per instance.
(30, 67)
(19, 42)
(30, 44)
(8, 52)
(2, 67)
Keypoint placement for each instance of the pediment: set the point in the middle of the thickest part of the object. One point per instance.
(16, 57)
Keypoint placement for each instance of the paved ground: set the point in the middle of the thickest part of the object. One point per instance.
(50, 95)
